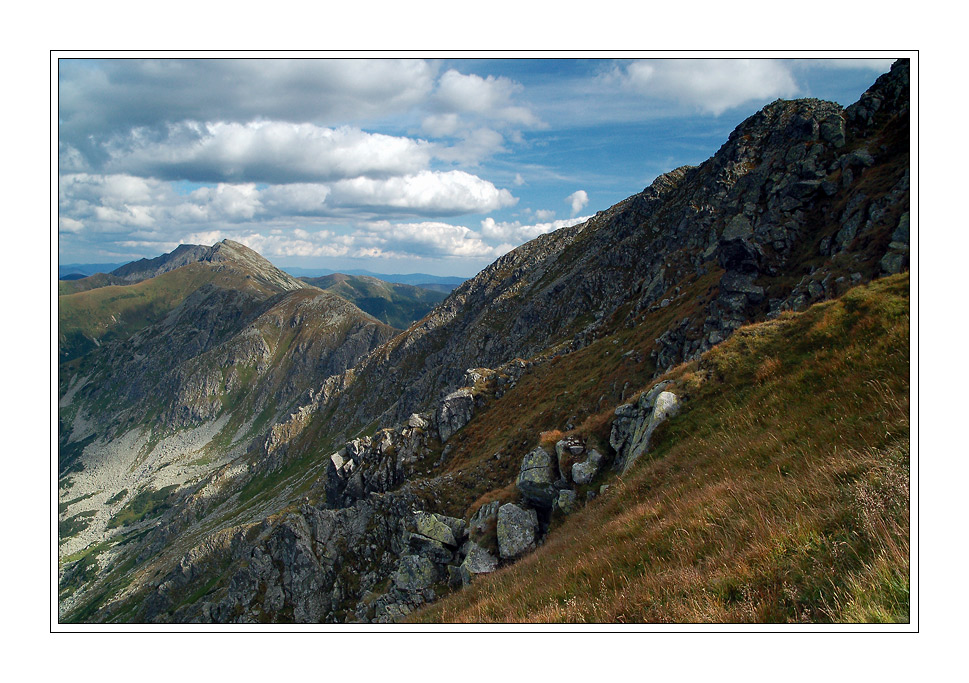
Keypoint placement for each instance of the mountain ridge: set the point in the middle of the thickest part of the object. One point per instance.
(396, 304)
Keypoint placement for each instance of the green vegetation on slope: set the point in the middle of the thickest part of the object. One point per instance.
(779, 494)
(148, 503)
(87, 283)
(86, 319)
(89, 318)
(396, 304)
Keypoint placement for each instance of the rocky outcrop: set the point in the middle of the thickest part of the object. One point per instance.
(377, 464)
(454, 412)
(636, 422)
(584, 472)
(376, 560)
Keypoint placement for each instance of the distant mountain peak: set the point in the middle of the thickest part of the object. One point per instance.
(224, 252)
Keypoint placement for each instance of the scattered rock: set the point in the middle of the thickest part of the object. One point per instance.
(479, 560)
(566, 502)
(536, 480)
(585, 471)
(517, 530)
(566, 451)
(433, 527)
(894, 262)
(415, 573)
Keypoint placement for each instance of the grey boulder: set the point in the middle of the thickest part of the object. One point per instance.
(454, 411)
(537, 477)
(415, 573)
(517, 530)
(585, 471)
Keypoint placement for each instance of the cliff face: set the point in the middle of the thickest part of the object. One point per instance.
(803, 201)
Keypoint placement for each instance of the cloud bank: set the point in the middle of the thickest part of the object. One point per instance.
(437, 160)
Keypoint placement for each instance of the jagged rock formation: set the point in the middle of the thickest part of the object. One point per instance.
(803, 200)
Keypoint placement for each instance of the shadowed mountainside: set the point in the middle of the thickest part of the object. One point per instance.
(396, 304)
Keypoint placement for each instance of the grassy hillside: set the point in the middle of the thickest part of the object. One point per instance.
(395, 304)
(89, 318)
(779, 494)
(86, 283)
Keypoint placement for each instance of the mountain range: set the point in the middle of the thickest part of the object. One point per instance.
(438, 283)
(691, 407)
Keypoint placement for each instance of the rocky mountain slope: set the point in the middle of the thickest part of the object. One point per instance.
(801, 202)
(455, 448)
(180, 395)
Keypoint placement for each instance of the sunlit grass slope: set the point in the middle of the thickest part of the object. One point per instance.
(95, 316)
(779, 494)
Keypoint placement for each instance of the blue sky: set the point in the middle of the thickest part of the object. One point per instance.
(435, 166)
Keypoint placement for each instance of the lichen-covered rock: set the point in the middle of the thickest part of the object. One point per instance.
(454, 411)
(479, 560)
(566, 502)
(433, 527)
(415, 573)
(435, 551)
(517, 530)
(537, 477)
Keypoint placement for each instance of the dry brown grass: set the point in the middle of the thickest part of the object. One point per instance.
(782, 499)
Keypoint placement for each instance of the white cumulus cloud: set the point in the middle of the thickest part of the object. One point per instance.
(436, 193)
(103, 97)
(428, 239)
(577, 200)
(517, 233)
(711, 85)
(265, 151)
(474, 147)
(490, 97)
